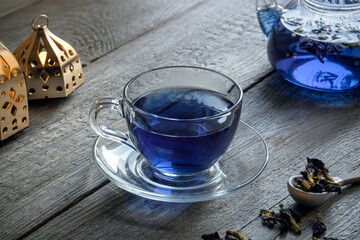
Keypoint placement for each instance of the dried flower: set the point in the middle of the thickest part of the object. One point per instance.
(316, 178)
(319, 226)
(321, 49)
(287, 218)
(211, 236)
(230, 235)
(236, 235)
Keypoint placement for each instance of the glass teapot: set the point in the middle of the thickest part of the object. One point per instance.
(314, 43)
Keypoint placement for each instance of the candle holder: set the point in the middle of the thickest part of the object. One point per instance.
(14, 112)
(52, 67)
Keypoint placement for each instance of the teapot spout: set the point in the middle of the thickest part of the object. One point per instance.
(268, 13)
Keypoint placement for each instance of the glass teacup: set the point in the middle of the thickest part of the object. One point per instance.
(180, 119)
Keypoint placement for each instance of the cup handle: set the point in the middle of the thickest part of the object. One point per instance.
(102, 130)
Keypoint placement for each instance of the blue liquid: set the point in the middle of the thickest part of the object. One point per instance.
(320, 65)
(183, 147)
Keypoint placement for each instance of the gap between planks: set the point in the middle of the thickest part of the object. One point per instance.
(62, 210)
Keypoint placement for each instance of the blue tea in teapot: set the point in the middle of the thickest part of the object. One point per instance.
(314, 43)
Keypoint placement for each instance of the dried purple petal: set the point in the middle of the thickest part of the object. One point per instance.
(287, 219)
(211, 236)
(269, 216)
(319, 226)
(330, 187)
(316, 178)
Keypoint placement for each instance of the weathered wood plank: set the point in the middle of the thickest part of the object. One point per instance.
(327, 128)
(55, 174)
(7, 7)
(183, 49)
(51, 158)
(297, 123)
(93, 28)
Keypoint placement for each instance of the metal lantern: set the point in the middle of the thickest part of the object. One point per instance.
(14, 112)
(52, 67)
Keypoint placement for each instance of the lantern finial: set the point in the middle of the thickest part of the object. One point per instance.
(36, 27)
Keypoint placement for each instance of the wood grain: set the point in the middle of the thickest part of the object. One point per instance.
(304, 123)
(48, 167)
(50, 188)
(296, 123)
(7, 7)
(93, 28)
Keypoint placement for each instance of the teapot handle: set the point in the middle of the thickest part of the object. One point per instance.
(268, 13)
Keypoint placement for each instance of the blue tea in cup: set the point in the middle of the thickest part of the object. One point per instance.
(181, 119)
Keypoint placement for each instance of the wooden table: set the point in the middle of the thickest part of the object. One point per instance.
(50, 187)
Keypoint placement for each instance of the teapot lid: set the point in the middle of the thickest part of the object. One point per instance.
(334, 4)
(335, 21)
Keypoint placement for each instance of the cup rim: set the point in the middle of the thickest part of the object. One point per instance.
(229, 110)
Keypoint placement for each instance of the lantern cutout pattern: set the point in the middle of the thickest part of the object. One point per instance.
(14, 113)
(51, 66)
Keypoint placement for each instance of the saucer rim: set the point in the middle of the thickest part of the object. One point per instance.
(134, 189)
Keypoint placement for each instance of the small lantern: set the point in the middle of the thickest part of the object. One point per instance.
(14, 113)
(52, 67)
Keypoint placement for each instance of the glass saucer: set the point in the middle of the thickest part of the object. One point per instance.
(243, 162)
